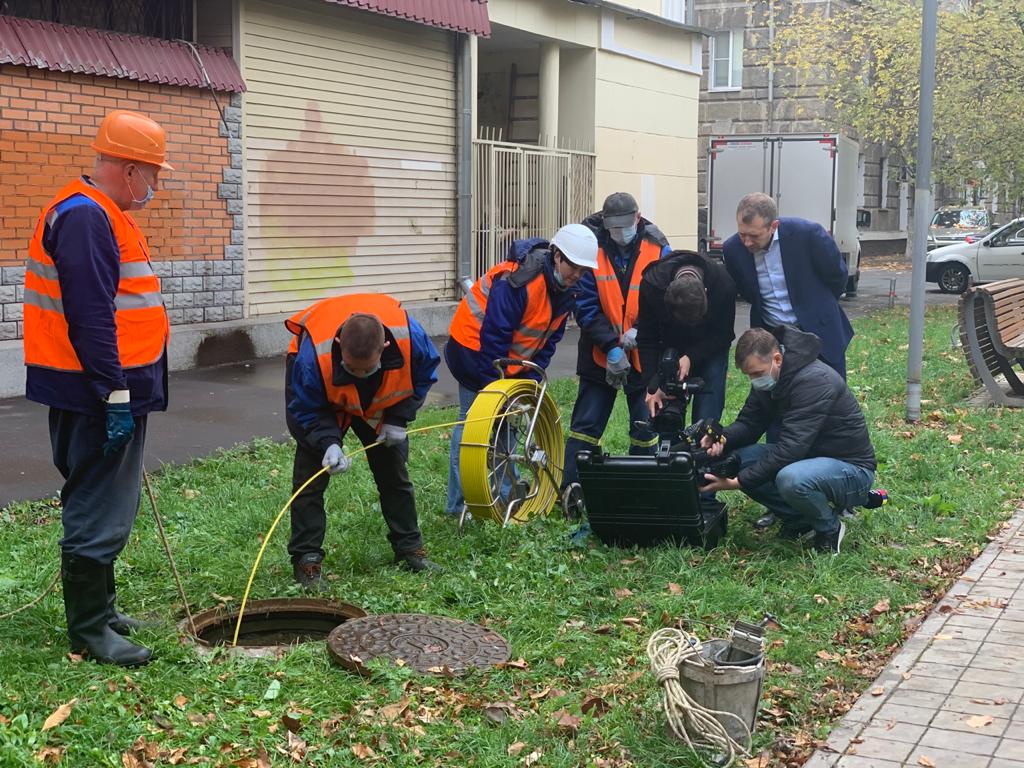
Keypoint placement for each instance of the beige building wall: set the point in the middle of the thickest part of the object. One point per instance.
(349, 155)
(646, 137)
(629, 88)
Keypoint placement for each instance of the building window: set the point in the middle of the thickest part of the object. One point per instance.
(166, 19)
(726, 60)
(674, 10)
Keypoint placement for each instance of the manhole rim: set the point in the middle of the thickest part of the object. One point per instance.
(223, 614)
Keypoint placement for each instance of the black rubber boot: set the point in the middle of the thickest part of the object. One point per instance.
(86, 606)
(119, 622)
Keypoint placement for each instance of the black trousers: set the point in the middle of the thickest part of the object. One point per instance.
(100, 496)
(391, 474)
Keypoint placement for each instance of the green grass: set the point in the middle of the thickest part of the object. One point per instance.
(561, 609)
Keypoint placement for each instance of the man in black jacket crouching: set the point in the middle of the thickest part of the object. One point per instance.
(823, 461)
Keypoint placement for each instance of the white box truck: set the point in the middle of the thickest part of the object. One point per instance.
(811, 176)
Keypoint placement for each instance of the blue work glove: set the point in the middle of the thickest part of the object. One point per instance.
(120, 427)
(336, 461)
(628, 340)
(392, 435)
(617, 368)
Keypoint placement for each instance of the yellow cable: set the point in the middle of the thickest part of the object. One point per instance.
(270, 532)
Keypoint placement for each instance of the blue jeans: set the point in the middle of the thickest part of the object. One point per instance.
(590, 415)
(710, 403)
(810, 492)
(455, 500)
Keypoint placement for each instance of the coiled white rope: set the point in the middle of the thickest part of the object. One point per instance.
(691, 722)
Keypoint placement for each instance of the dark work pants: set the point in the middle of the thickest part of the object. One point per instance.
(397, 500)
(100, 497)
(594, 403)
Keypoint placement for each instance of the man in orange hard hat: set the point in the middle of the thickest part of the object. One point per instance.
(96, 353)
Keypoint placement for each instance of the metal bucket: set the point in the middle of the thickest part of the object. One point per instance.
(729, 680)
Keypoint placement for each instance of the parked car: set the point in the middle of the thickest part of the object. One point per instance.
(952, 224)
(995, 255)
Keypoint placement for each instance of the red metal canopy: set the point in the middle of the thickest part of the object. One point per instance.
(458, 15)
(66, 48)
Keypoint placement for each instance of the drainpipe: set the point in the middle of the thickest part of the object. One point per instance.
(771, 66)
(547, 94)
(464, 158)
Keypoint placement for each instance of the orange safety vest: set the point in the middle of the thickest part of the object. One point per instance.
(140, 316)
(535, 327)
(322, 322)
(622, 311)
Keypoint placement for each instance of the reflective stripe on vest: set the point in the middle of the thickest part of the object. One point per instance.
(322, 322)
(621, 311)
(536, 326)
(469, 315)
(139, 314)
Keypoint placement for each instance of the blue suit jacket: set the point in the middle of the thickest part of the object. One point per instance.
(815, 277)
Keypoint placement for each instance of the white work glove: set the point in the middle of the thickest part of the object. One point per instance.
(628, 340)
(617, 368)
(336, 461)
(392, 435)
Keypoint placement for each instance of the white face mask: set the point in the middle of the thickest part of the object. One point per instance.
(145, 198)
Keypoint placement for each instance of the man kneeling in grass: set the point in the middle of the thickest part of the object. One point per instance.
(823, 461)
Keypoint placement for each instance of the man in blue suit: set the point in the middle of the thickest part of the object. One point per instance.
(791, 272)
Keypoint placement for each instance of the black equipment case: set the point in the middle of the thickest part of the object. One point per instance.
(646, 500)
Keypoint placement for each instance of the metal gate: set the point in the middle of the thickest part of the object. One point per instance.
(521, 190)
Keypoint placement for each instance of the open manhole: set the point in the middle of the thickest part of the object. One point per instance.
(432, 644)
(269, 626)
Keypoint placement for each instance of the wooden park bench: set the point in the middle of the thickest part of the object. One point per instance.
(992, 336)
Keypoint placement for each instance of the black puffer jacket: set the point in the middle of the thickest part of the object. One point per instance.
(819, 414)
(657, 329)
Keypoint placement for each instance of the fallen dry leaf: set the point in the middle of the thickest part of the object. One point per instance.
(955, 439)
(560, 661)
(59, 715)
(50, 755)
(877, 691)
(595, 706)
(979, 721)
(180, 701)
(926, 761)
(566, 722)
(362, 751)
(515, 748)
(882, 606)
(674, 589)
(623, 593)
(261, 713)
(533, 757)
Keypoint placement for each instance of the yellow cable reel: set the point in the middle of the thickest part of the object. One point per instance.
(512, 450)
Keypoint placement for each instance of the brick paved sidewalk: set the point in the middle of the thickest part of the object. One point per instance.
(952, 696)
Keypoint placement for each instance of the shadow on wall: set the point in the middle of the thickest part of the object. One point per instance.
(312, 200)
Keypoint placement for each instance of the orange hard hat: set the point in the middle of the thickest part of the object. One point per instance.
(131, 136)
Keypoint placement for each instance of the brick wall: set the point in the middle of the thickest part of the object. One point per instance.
(194, 224)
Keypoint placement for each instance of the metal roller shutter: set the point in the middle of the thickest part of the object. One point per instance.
(349, 133)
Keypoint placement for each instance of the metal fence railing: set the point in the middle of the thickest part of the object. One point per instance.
(522, 190)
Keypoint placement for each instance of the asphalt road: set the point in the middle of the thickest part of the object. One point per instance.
(219, 407)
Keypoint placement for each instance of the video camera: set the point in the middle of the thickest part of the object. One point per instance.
(670, 423)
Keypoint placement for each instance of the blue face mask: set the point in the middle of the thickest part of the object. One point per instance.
(623, 236)
(765, 383)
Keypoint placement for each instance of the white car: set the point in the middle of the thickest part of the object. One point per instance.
(979, 259)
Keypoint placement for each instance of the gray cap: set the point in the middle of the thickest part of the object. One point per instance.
(619, 210)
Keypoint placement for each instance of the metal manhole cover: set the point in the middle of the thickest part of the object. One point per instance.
(432, 644)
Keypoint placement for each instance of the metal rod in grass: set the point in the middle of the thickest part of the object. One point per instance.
(167, 550)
